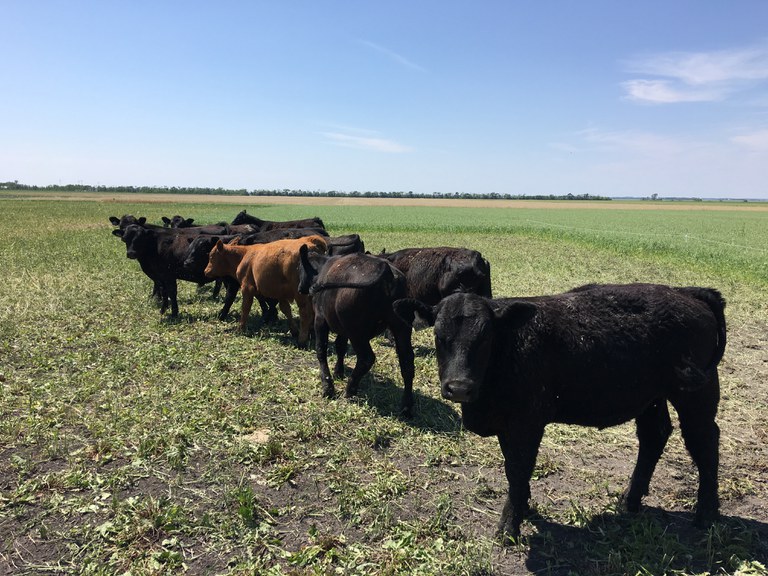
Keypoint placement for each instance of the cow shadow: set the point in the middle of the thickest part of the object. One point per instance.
(384, 394)
(653, 541)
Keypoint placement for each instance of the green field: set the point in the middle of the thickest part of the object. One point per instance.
(129, 442)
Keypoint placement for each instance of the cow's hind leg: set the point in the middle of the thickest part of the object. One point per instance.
(341, 353)
(653, 430)
(321, 350)
(364, 362)
(696, 411)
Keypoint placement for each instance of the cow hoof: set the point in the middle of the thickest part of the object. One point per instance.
(508, 535)
(705, 518)
(329, 392)
(629, 502)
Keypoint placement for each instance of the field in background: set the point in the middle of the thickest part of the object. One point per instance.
(131, 442)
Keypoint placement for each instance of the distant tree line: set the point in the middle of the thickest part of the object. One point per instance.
(15, 185)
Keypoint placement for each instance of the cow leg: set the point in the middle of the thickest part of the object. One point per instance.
(268, 310)
(653, 430)
(364, 362)
(306, 317)
(404, 349)
(216, 288)
(169, 296)
(232, 286)
(248, 296)
(520, 447)
(341, 352)
(285, 308)
(702, 438)
(321, 351)
(172, 288)
(157, 292)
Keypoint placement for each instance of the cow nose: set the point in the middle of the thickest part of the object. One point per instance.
(458, 391)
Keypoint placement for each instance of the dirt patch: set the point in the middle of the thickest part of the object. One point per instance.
(362, 201)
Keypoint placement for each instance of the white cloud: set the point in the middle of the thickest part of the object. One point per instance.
(366, 143)
(640, 143)
(392, 55)
(696, 76)
(755, 142)
(665, 92)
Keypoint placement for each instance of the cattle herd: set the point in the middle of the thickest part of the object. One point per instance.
(597, 355)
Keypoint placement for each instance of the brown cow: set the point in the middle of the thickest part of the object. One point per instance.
(268, 271)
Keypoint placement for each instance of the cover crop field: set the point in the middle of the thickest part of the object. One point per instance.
(133, 443)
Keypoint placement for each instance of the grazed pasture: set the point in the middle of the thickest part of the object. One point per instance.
(132, 443)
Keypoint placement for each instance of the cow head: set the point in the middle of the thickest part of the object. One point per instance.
(465, 328)
(307, 272)
(177, 222)
(127, 220)
(216, 265)
(138, 240)
(199, 249)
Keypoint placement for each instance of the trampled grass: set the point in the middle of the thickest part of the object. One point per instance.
(132, 443)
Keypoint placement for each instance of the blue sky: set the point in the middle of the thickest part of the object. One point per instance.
(553, 97)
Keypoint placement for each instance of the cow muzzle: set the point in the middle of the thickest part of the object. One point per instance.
(459, 391)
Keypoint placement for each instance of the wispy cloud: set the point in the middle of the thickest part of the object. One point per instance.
(366, 143)
(667, 92)
(391, 54)
(755, 142)
(639, 143)
(696, 76)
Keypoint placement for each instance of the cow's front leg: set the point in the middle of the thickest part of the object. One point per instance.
(233, 287)
(520, 448)
(404, 347)
(248, 295)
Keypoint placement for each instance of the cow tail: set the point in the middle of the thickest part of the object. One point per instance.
(716, 303)
(694, 376)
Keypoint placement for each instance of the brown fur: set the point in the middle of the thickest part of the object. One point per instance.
(268, 271)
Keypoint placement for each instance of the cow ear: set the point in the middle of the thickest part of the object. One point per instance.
(515, 314)
(142, 221)
(166, 220)
(118, 232)
(408, 308)
(114, 220)
(189, 221)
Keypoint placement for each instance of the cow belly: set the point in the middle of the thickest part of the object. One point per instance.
(602, 408)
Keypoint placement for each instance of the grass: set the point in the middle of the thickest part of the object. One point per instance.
(129, 442)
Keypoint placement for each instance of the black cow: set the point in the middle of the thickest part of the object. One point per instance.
(129, 219)
(177, 221)
(352, 296)
(161, 254)
(434, 273)
(280, 234)
(347, 244)
(265, 225)
(598, 356)
(197, 260)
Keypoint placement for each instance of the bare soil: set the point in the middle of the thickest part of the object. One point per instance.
(364, 201)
